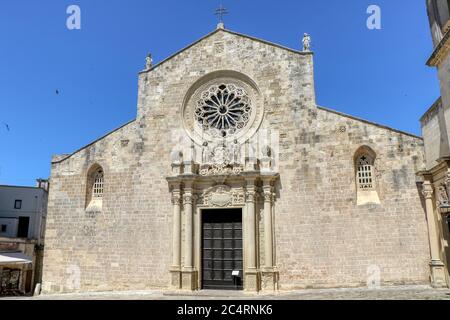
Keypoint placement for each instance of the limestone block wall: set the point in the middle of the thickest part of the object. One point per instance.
(444, 80)
(433, 130)
(436, 121)
(323, 238)
(123, 247)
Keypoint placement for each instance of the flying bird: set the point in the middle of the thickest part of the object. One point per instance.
(57, 91)
(6, 126)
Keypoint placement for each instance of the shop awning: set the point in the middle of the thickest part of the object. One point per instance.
(14, 258)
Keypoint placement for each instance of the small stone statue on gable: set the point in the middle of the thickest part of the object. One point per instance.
(306, 42)
(148, 62)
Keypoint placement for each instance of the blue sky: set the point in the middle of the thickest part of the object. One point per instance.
(378, 75)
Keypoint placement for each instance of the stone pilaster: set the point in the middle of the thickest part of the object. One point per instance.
(269, 279)
(176, 238)
(269, 275)
(251, 272)
(268, 241)
(436, 265)
(188, 281)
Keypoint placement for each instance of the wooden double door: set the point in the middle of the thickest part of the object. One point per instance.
(222, 256)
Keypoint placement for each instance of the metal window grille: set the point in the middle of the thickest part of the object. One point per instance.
(97, 189)
(365, 173)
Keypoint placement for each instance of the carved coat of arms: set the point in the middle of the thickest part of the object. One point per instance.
(221, 196)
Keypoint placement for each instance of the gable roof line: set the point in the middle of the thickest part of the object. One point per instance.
(19, 187)
(93, 142)
(231, 32)
(430, 109)
(369, 122)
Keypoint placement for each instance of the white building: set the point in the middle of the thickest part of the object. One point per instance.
(22, 223)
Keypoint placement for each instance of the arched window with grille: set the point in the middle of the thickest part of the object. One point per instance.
(364, 172)
(97, 188)
(366, 184)
(95, 183)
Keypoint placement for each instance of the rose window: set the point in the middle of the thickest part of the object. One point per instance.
(223, 110)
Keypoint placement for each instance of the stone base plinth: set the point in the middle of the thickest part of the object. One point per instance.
(175, 274)
(437, 274)
(252, 280)
(269, 280)
(189, 280)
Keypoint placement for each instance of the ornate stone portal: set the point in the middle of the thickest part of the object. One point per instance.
(249, 190)
(221, 169)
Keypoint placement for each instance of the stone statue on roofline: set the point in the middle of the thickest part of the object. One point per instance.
(148, 62)
(306, 42)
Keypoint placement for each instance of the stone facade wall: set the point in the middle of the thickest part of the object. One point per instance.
(322, 237)
(338, 242)
(444, 80)
(438, 16)
(435, 122)
(434, 133)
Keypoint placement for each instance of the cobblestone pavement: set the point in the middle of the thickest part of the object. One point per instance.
(390, 293)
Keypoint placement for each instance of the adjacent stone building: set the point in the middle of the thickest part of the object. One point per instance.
(23, 213)
(232, 177)
(436, 133)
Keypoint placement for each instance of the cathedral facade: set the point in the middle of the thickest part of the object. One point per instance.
(232, 177)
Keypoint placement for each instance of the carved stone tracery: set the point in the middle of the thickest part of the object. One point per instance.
(427, 191)
(223, 109)
(222, 106)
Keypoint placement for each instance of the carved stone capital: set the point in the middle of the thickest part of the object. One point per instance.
(427, 190)
(238, 197)
(268, 196)
(176, 198)
(188, 199)
(267, 192)
(250, 196)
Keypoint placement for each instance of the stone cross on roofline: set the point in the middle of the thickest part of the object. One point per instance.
(220, 12)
